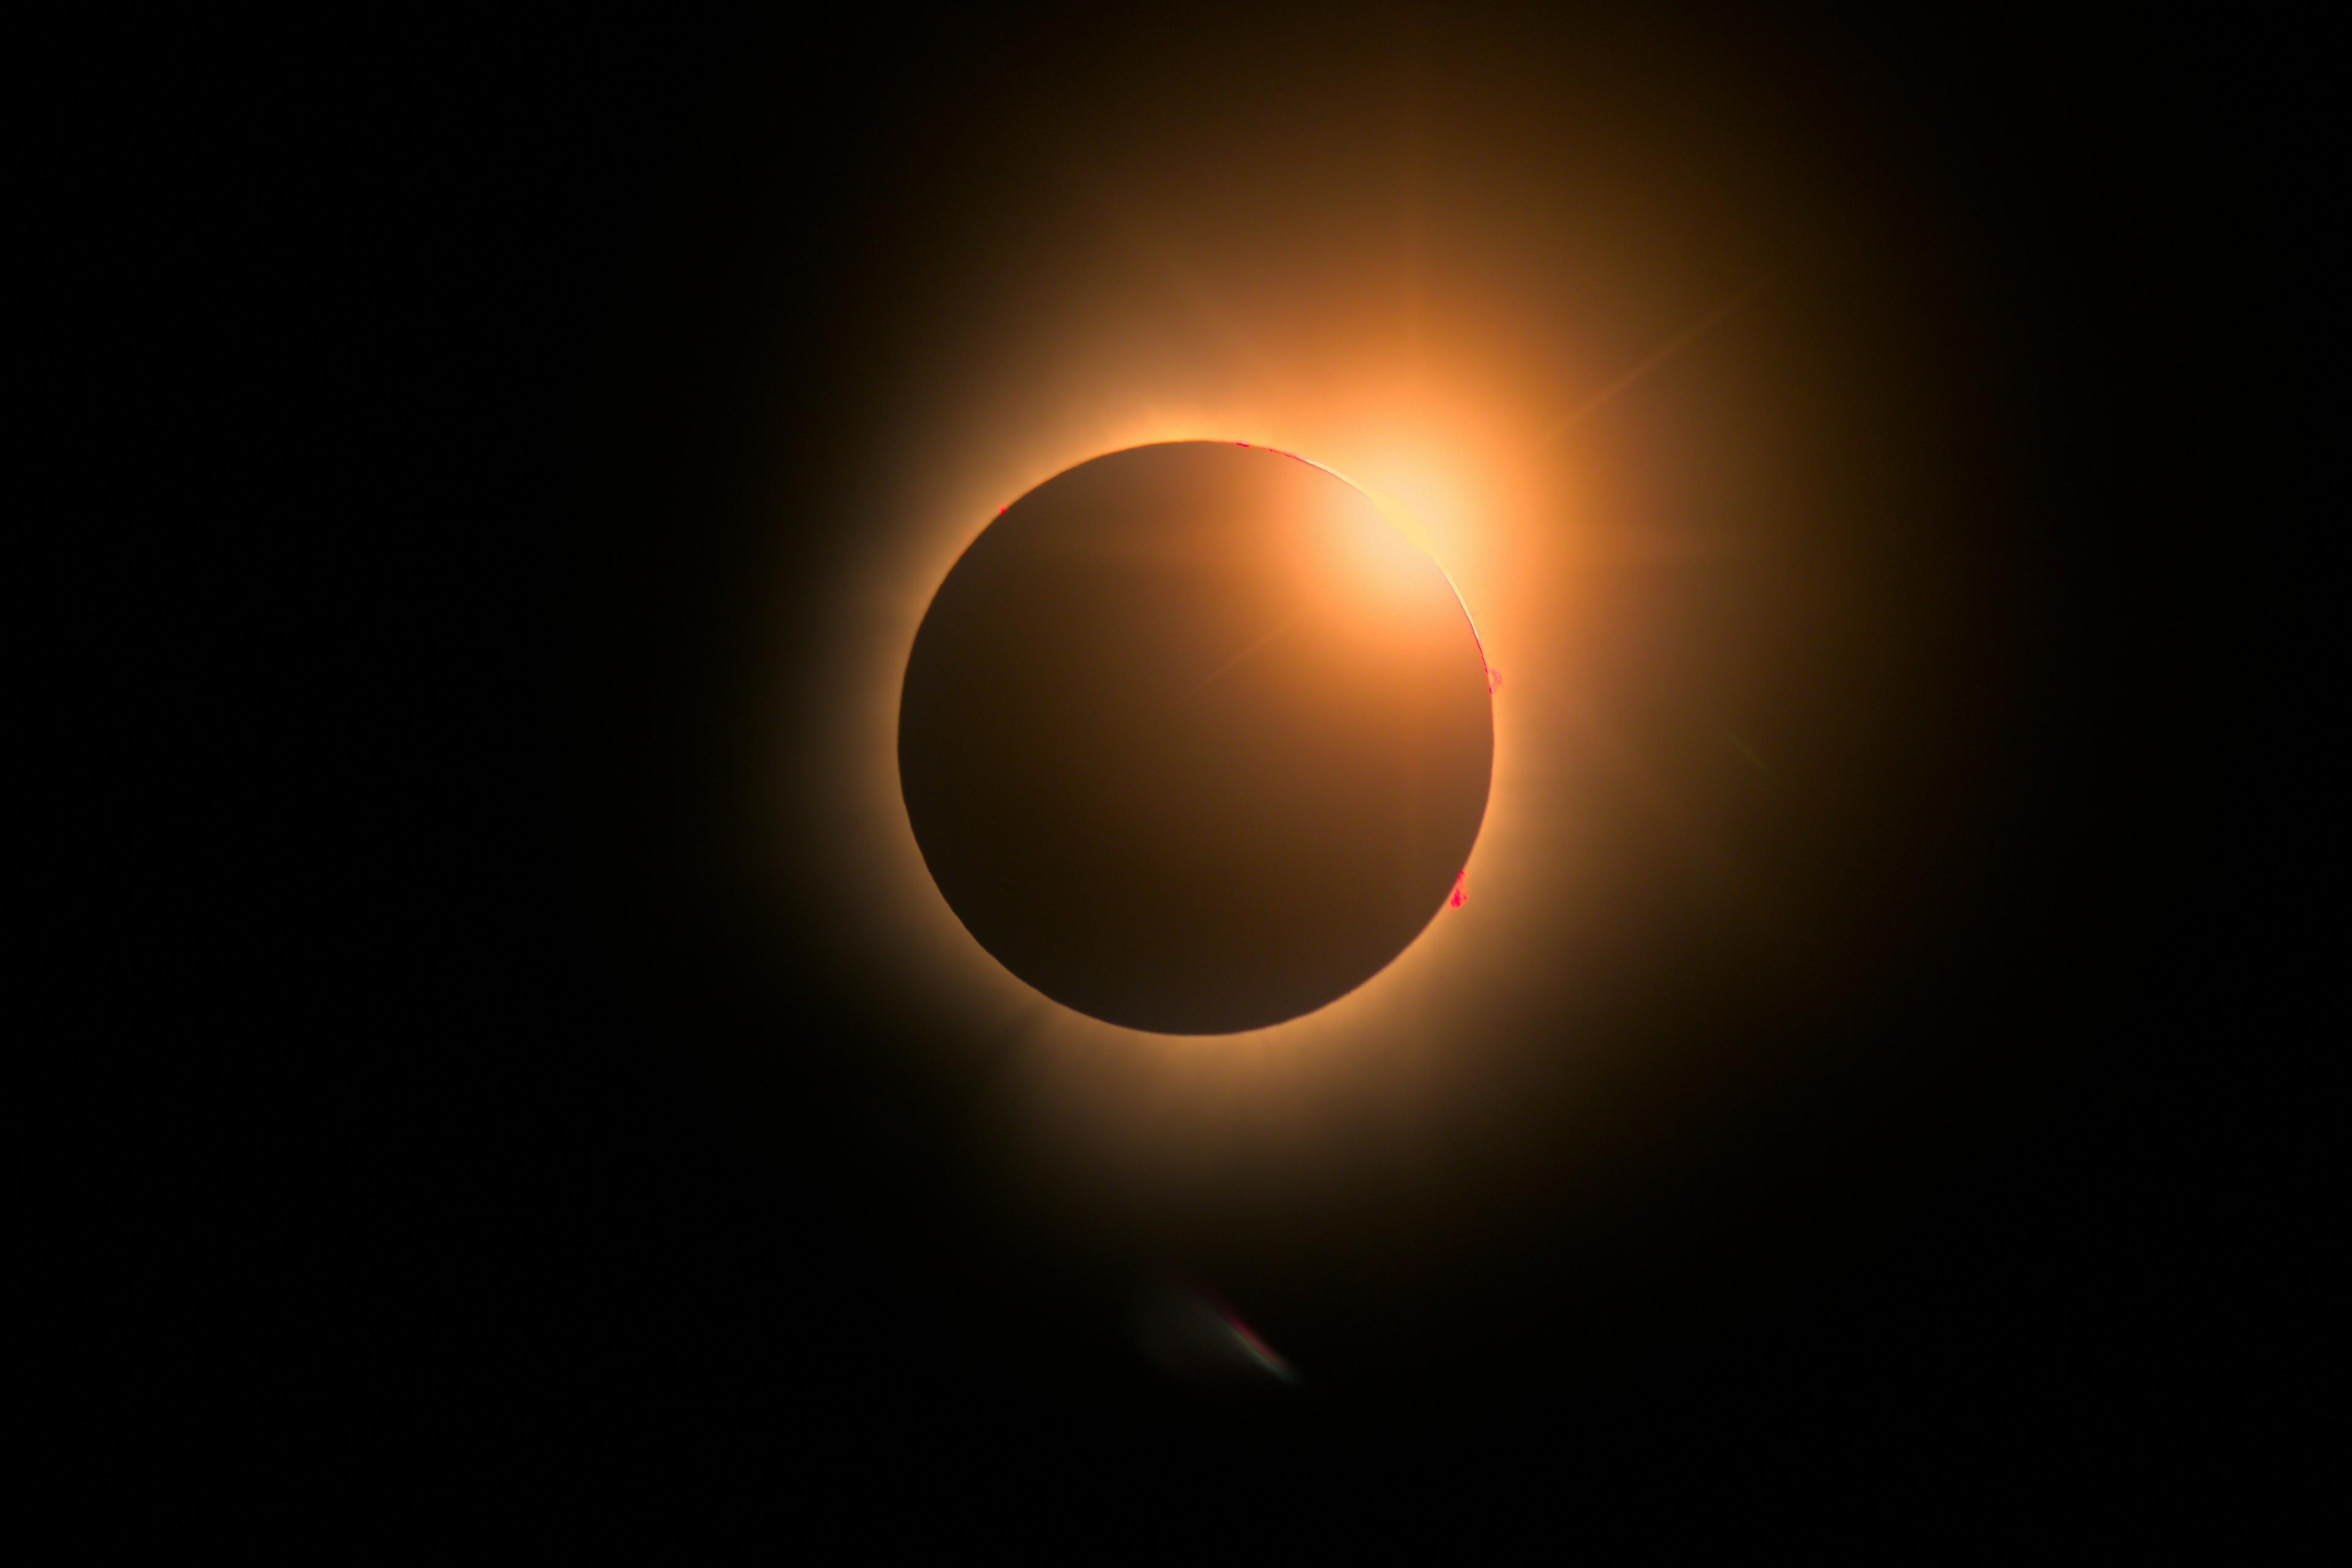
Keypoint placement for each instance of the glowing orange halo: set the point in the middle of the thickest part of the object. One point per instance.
(1364, 1055)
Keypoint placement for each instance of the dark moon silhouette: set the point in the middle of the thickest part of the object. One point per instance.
(1192, 740)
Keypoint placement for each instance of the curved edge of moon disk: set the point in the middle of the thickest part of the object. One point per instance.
(1193, 740)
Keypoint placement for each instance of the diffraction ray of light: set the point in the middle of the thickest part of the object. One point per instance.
(1676, 344)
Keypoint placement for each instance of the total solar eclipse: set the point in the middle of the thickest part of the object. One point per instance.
(1193, 741)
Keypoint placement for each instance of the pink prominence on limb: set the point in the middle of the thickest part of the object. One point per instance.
(1461, 888)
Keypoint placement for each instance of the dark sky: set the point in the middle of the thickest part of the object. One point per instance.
(462, 1130)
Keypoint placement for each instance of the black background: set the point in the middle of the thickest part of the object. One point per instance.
(433, 1159)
